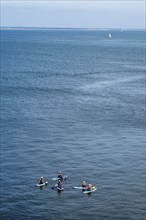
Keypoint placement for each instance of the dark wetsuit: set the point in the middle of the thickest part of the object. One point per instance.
(41, 181)
(60, 177)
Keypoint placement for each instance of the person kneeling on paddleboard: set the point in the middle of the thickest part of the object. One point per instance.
(60, 175)
(84, 184)
(41, 181)
(59, 184)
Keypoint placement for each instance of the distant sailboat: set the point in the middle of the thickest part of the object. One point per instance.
(109, 36)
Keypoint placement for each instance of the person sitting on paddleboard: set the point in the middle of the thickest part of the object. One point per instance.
(84, 184)
(60, 175)
(41, 181)
(89, 188)
(59, 184)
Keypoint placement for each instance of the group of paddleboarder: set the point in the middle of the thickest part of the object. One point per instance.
(60, 178)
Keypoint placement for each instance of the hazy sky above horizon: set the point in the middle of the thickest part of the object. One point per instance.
(74, 14)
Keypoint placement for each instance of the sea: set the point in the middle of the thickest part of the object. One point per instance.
(73, 101)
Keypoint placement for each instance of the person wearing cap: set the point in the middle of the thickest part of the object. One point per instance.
(60, 175)
(84, 184)
(59, 184)
(41, 181)
(89, 188)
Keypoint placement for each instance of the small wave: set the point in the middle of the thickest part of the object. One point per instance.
(105, 84)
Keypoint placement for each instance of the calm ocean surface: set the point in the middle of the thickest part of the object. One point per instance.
(73, 101)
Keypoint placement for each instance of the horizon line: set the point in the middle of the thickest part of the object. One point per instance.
(61, 28)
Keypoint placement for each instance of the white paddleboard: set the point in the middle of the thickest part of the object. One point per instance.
(56, 178)
(79, 187)
(43, 184)
(90, 191)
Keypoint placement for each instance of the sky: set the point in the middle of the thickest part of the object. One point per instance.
(128, 14)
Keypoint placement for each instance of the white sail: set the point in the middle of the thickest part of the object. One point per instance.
(110, 36)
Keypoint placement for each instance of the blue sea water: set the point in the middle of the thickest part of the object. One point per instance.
(74, 101)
